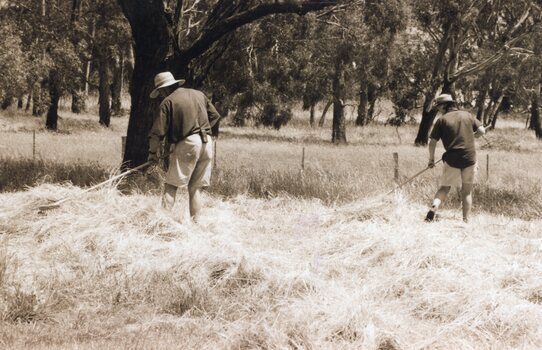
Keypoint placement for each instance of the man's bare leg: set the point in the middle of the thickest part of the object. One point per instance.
(168, 198)
(194, 199)
(466, 200)
(440, 196)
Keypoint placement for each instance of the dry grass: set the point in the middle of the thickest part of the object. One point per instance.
(113, 271)
(280, 259)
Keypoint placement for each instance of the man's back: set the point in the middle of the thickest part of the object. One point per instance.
(456, 129)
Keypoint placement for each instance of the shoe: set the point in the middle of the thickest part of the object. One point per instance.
(430, 216)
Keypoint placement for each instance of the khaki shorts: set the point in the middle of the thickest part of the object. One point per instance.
(454, 176)
(190, 163)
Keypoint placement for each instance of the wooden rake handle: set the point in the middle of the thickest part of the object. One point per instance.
(411, 178)
(57, 203)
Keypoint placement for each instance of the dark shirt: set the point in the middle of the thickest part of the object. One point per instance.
(456, 129)
(183, 113)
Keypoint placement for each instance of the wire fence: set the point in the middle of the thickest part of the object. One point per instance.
(396, 171)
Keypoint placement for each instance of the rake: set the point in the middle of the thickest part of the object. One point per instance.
(410, 179)
(378, 199)
(57, 203)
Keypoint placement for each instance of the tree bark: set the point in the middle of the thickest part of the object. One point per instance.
(37, 109)
(338, 135)
(485, 117)
(372, 96)
(151, 43)
(495, 112)
(79, 104)
(324, 112)
(28, 101)
(6, 102)
(480, 103)
(428, 116)
(535, 115)
(51, 122)
(361, 119)
(104, 91)
(116, 86)
(312, 112)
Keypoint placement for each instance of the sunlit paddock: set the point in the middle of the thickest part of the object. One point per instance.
(296, 160)
(284, 257)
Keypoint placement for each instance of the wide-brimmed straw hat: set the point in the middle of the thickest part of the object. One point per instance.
(162, 80)
(443, 98)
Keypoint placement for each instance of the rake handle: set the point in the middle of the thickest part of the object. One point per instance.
(412, 178)
(57, 203)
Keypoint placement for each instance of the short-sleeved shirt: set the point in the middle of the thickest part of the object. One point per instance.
(456, 129)
(183, 113)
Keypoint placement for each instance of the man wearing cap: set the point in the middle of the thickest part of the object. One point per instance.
(185, 118)
(457, 129)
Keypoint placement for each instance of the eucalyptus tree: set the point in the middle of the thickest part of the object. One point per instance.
(172, 35)
(383, 21)
(456, 36)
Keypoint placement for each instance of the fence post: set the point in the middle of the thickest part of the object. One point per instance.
(303, 159)
(396, 166)
(34, 145)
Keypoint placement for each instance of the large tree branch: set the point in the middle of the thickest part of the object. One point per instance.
(214, 33)
(482, 65)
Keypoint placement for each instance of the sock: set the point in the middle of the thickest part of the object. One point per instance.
(436, 204)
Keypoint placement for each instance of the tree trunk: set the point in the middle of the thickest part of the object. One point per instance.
(151, 44)
(480, 103)
(116, 86)
(535, 115)
(20, 103)
(311, 120)
(37, 107)
(324, 112)
(372, 96)
(6, 102)
(495, 112)
(28, 100)
(338, 135)
(104, 91)
(79, 104)
(361, 119)
(485, 117)
(154, 36)
(428, 116)
(51, 122)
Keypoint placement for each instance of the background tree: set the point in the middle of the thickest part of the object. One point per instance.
(171, 35)
(454, 33)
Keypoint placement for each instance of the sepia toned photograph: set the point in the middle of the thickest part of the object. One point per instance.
(270, 174)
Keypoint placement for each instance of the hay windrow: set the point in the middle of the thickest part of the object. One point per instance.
(108, 270)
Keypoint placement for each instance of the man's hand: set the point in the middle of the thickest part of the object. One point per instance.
(480, 132)
(431, 163)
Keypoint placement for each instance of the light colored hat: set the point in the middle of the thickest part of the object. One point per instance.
(443, 98)
(162, 80)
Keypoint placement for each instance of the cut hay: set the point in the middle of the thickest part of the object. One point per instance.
(111, 271)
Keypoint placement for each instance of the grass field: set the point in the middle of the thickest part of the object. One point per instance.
(282, 258)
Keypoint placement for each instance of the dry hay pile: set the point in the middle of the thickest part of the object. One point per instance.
(113, 271)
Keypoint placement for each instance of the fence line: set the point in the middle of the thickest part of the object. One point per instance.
(395, 165)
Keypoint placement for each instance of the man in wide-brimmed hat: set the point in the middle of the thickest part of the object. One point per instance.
(457, 130)
(185, 118)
